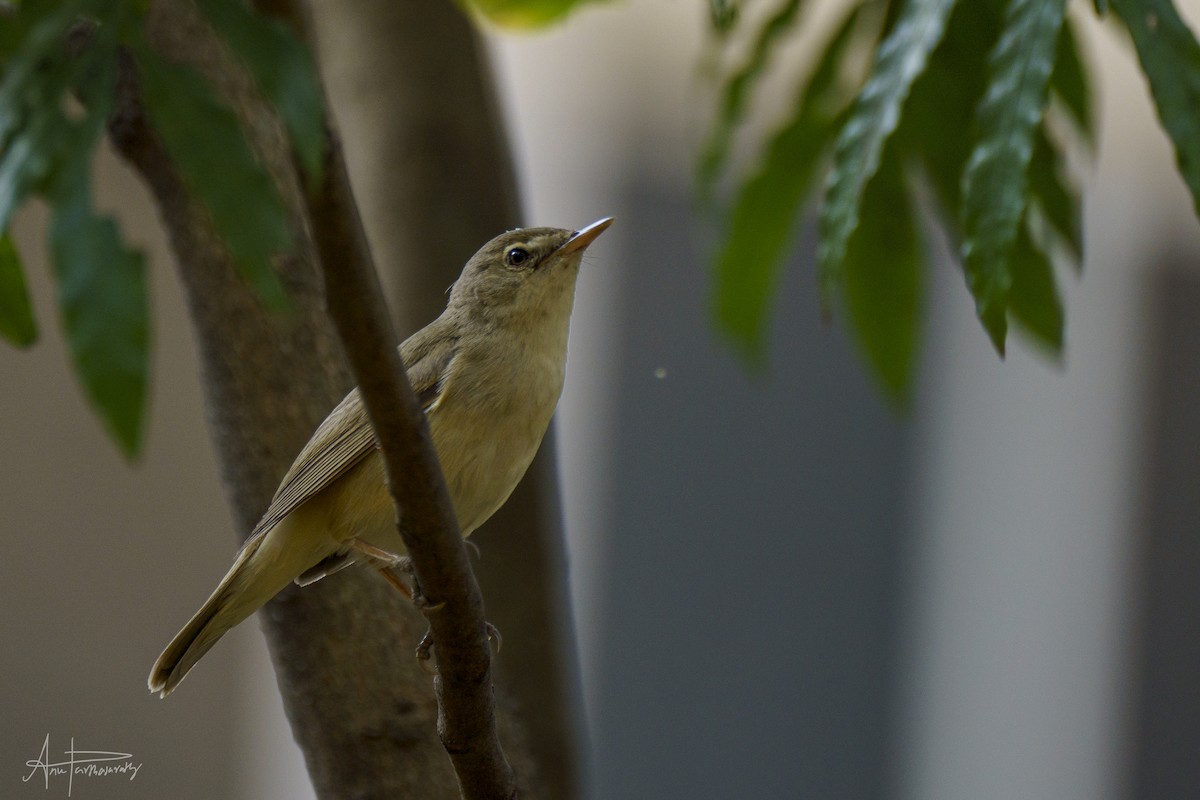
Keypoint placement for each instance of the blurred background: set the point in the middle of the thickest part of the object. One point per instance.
(782, 588)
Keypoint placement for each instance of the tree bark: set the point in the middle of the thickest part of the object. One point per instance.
(444, 586)
(360, 706)
(412, 90)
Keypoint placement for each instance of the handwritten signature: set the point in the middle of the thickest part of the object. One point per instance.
(88, 763)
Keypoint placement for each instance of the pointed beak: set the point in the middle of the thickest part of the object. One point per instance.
(584, 236)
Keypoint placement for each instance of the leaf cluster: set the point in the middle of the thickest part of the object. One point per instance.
(60, 61)
(976, 103)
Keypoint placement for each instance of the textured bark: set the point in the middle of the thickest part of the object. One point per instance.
(360, 707)
(444, 585)
(433, 175)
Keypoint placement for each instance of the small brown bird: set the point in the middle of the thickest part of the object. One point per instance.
(488, 373)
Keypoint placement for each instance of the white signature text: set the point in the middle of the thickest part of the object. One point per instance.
(85, 763)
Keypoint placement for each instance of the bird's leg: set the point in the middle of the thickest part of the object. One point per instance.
(418, 597)
(390, 565)
(377, 556)
(387, 563)
(389, 574)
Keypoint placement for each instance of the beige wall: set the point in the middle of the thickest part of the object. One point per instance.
(106, 558)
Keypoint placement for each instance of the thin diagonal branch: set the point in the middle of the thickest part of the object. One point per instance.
(466, 708)
(390, 69)
(425, 515)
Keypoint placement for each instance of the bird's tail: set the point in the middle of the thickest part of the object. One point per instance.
(255, 577)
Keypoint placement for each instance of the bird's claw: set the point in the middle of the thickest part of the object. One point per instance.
(423, 603)
(424, 651)
(424, 654)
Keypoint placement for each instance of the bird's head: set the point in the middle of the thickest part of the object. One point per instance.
(524, 276)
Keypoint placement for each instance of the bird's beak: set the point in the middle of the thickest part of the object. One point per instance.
(585, 236)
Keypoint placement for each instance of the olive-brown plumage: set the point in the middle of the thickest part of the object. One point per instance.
(488, 373)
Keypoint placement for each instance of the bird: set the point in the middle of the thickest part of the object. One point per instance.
(487, 372)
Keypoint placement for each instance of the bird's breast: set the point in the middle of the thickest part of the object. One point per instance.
(488, 424)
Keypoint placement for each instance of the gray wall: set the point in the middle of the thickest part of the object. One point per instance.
(752, 548)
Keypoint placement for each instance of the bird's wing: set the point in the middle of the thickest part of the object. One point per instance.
(346, 436)
(427, 355)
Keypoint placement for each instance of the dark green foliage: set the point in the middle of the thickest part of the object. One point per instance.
(995, 187)
(101, 285)
(102, 299)
(58, 69)
(1170, 57)
(1055, 200)
(16, 315)
(957, 97)
(1034, 300)
(284, 70)
(765, 212)
(206, 143)
(723, 14)
(900, 59)
(736, 94)
(882, 283)
(1069, 82)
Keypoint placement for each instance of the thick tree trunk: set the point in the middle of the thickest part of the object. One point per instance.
(360, 707)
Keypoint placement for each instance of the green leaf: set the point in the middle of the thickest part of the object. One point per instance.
(32, 41)
(941, 108)
(33, 129)
(737, 93)
(284, 70)
(102, 298)
(36, 137)
(882, 271)
(994, 184)
(206, 143)
(101, 284)
(1034, 300)
(901, 58)
(723, 14)
(16, 314)
(767, 206)
(524, 13)
(26, 160)
(1069, 80)
(1170, 58)
(1058, 202)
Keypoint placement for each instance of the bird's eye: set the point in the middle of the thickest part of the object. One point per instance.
(516, 257)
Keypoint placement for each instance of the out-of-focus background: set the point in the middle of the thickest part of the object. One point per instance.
(781, 588)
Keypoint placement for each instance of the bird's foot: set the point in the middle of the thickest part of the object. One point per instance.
(424, 651)
(390, 565)
(423, 603)
(493, 634)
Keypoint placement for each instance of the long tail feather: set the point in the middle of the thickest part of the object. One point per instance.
(255, 577)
